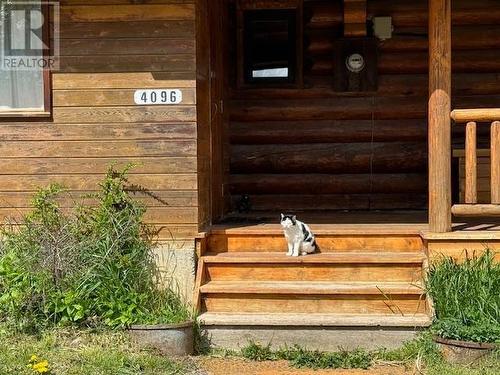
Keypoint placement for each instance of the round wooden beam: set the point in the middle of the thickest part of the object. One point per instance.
(439, 115)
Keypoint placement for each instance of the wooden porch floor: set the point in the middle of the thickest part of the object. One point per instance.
(408, 222)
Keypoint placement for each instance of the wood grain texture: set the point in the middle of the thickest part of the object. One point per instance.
(495, 162)
(124, 13)
(439, 120)
(471, 163)
(109, 49)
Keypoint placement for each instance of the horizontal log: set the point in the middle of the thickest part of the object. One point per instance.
(405, 13)
(405, 39)
(327, 183)
(476, 210)
(315, 202)
(469, 61)
(479, 115)
(388, 85)
(329, 158)
(345, 108)
(362, 108)
(297, 132)
(101, 80)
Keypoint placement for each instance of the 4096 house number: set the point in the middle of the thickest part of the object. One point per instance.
(159, 96)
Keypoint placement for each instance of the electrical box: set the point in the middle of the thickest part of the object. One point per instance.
(382, 27)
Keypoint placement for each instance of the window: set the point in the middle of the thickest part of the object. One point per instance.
(24, 74)
(270, 43)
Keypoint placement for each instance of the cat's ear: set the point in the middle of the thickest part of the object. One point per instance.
(294, 219)
(282, 217)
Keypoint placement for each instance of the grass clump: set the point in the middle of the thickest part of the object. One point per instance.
(91, 265)
(420, 355)
(466, 298)
(84, 351)
(304, 358)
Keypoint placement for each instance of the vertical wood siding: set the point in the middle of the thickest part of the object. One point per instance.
(110, 48)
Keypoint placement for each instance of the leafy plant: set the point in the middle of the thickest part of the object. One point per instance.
(466, 298)
(89, 265)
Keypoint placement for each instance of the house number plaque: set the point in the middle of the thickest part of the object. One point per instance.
(158, 96)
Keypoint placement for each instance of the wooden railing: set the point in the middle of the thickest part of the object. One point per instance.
(471, 117)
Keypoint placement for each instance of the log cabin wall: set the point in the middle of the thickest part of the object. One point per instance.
(109, 49)
(315, 149)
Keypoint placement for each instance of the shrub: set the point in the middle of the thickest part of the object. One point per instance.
(89, 265)
(466, 298)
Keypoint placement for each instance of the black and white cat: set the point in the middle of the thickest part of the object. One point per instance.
(298, 235)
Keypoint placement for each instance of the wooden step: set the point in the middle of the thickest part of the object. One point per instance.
(313, 297)
(320, 258)
(312, 288)
(332, 267)
(313, 320)
(330, 238)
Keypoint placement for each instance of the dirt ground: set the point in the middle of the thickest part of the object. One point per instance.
(238, 366)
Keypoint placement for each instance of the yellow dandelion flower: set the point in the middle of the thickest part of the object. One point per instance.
(33, 358)
(41, 367)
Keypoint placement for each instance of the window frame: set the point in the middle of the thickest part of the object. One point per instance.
(249, 5)
(46, 112)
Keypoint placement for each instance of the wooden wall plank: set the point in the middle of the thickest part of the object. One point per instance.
(84, 165)
(75, 115)
(109, 49)
(115, 149)
(91, 181)
(126, 46)
(110, 80)
(15, 131)
(124, 13)
(131, 29)
(103, 97)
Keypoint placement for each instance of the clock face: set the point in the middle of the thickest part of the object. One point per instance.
(355, 63)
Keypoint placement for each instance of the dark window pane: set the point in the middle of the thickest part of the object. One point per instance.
(270, 45)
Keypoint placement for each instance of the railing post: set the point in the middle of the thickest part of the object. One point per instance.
(495, 162)
(471, 163)
(439, 115)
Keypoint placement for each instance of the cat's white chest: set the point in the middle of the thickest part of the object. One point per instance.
(293, 233)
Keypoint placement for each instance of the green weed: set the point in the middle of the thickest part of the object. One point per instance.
(90, 265)
(466, 298)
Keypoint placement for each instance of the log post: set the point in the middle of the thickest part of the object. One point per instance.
(495, 162)
(471, 163)
(439, 115)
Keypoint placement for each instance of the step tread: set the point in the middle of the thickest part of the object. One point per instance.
(314, 320)
(392, 229)
(349, 257)
(312, 288)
